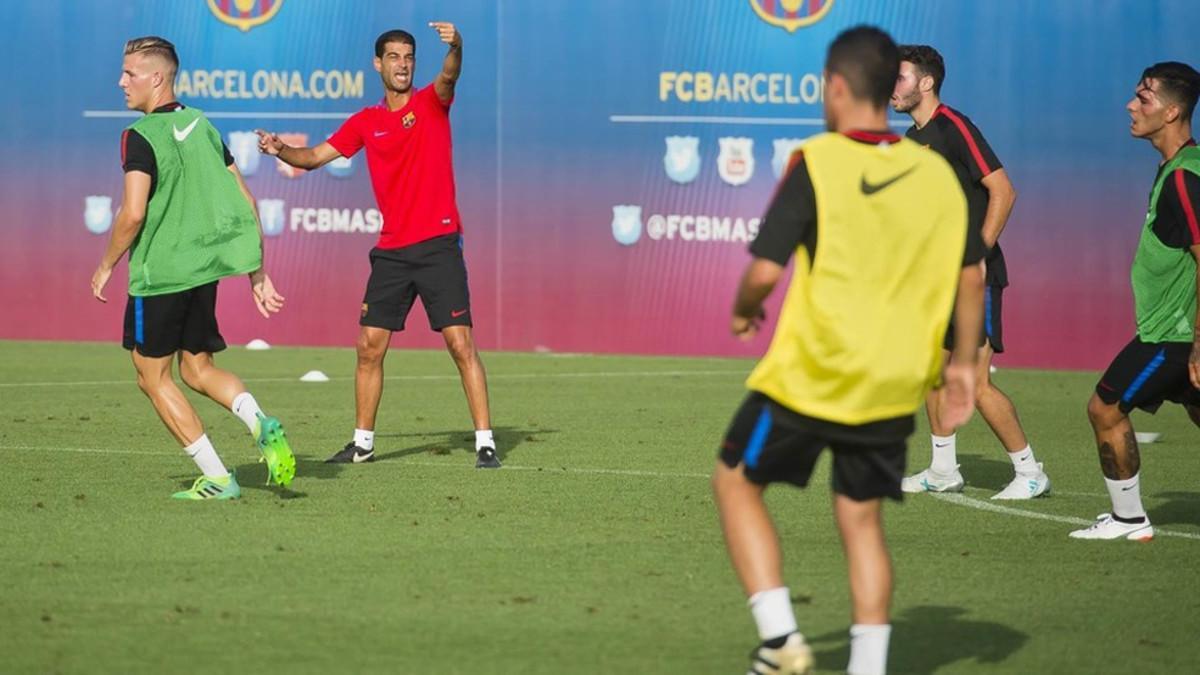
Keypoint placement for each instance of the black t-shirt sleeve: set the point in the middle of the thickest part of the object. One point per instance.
(228, 155)
(136, 153)
(1177, 221)
(972, 148)
(791, 218)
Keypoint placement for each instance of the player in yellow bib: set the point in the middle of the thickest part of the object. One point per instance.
(877, 226)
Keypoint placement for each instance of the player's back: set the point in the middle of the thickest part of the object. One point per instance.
(861, 329)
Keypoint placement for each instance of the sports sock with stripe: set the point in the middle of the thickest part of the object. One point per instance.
(205, 456)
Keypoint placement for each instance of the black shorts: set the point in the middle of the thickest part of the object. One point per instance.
(432, 270)
(1145, 374)
(993, 326)
(160, 325)
(775, 444)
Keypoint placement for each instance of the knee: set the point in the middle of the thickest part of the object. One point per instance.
(192, 374)
(1103, 415)
(150, 383)
(370, 350)
(461, 347)
(727, 480)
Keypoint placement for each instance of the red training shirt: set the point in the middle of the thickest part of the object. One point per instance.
(409, 157)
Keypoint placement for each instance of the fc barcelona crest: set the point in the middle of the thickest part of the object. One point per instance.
(791, 15)
(245, 14)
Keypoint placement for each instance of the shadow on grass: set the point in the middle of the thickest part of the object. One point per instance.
(980, 472)
(1181, 508)
(928, 638)
(508, 439)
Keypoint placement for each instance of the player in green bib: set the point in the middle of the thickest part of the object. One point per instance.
(1162, 363)
(187, 220)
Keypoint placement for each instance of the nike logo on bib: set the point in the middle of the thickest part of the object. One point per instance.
(872, 188)
(181, 136)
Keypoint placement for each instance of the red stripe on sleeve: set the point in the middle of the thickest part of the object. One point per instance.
(124, 140)
(1189, 212)
(793, 161)
(974, 147)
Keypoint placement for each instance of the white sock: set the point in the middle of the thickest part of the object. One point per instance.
(1024, 462)
(246, 408)
(945, 454)
(1126, 498)
(772, 610)
(204, 455)
(365, 438)
(483, 439)
(868, 649)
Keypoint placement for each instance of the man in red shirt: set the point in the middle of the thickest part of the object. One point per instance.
(419, 253)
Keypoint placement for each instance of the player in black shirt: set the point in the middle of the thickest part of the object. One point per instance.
(990, 197)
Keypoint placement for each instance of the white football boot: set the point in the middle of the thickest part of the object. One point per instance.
(793, 658)
(1107, 527)
(932, 481)
(1026, 486)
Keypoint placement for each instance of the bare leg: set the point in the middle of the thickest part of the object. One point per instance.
(368, 376)
(749, 533)
(931, 407)
(154, 379)
(462, 349)
(870, 567)
(202, 375)
(1119, 456)
(996, 408)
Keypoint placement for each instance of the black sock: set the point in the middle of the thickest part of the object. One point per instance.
(1129, 521)
(776, 643)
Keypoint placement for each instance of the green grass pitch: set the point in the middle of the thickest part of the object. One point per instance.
(595, 550)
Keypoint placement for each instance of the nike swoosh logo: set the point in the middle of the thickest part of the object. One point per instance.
(359, 459)
(940, 445)
(380, 133)
(872, 188)
(181, 136)
(1127, 489)
(457, 314)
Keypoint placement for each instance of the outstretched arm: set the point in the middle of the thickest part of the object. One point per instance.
(444, 83)
(302, 158)
(125, 228)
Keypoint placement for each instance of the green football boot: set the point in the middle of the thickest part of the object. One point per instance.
(272, 443)
(212, 488)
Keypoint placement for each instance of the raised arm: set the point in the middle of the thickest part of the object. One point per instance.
(302, 158)
(444, 83)
(126, 226)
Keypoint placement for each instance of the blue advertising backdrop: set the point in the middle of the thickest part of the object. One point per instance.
(613, 158)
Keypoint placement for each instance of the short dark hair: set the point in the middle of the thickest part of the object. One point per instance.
(928, 61)
(1179, 81)
(152, 45)
(397, 35)
(869, 60)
